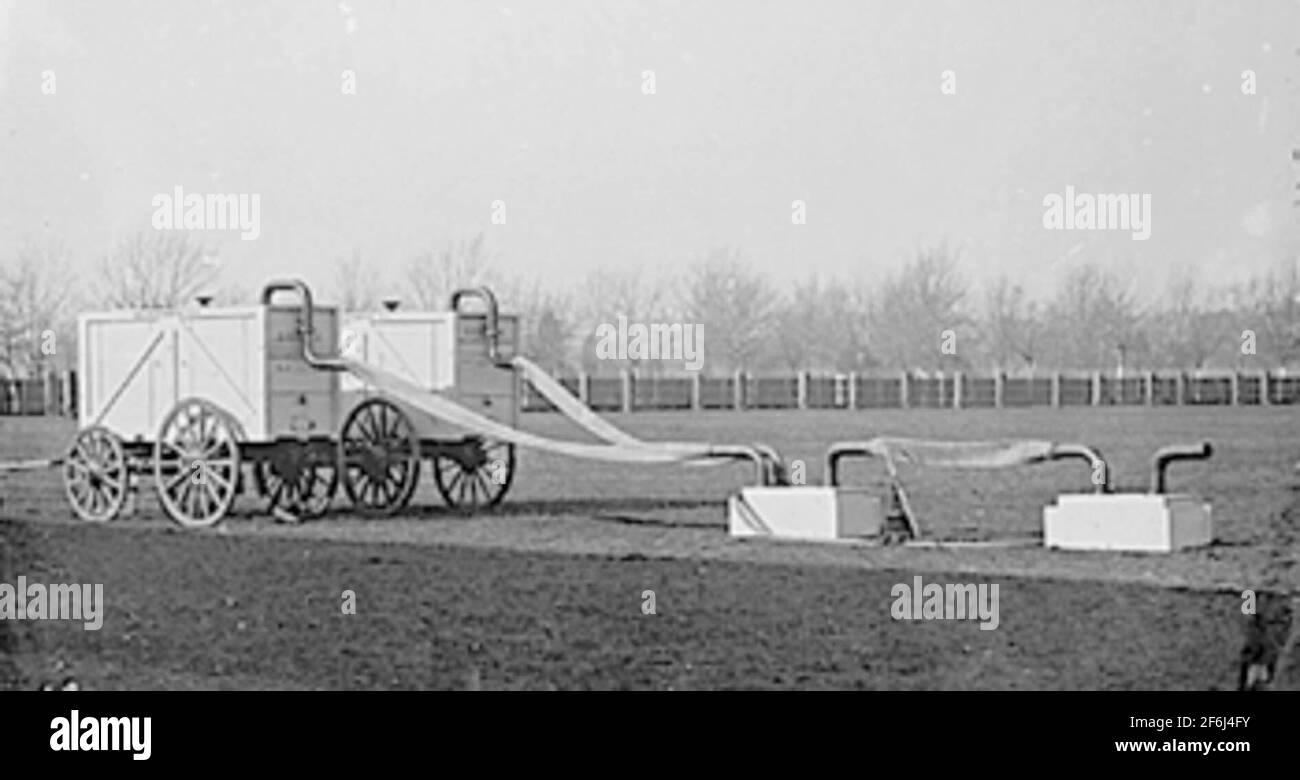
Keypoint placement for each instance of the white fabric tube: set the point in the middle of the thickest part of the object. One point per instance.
(449, 411)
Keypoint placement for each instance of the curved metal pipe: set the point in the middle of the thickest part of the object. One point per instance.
(1084, 452)
(1166, 455)
(841, 450)
(762, 466)
(776, 471)
(838, 450)
(493, 329)
(306, 320)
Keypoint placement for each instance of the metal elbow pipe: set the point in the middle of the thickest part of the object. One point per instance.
(776, 471)
(764, 472)
(1166, 455)
(830, 474)
(837, 451)
(490, 301)
(306, 319)
(1090, 454)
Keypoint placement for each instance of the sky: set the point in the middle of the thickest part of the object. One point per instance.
(756, 104)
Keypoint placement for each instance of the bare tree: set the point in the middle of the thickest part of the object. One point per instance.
(911, 310)
(1269, 306)
(606, 295)
(547, 323)
(735, 305)
(36, 325)
(155, 270)
(1190, 331)
(355, 284)
(1012, 327)
(434, 274)
(1095, 319)
(818, 326)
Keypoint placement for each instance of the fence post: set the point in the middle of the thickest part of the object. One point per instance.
(1264, 398)
(1151, 388)
(1236, 389)
(695, 391)
(626, 376)
(956, 390)
(1179, 388)
(801, 389)
(1056, 390)
(738, 390)
(853, 390)
(999, 388)
(584, 390)
(903, 389)
(1096, 388)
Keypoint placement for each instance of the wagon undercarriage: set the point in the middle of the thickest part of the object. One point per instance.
(200, 464)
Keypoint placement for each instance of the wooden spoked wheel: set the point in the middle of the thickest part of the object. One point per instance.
(298, 482)
(379, 455)
(477, 477)
(96, 476)
(196, 463)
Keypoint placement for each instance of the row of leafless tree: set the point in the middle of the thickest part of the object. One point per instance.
(924, 316)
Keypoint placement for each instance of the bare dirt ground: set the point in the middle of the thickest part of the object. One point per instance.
(548, 591)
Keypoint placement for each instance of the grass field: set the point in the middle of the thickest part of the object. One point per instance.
(547, 591)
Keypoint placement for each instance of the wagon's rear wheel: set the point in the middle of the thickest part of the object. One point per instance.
(196, 463)
(478, 478)
(380, 458)
(306, 488)
(96, 476)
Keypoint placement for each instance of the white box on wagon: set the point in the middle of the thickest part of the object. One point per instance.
(136, 366)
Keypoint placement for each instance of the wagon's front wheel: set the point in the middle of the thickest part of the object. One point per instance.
(379, 455)
(476, 477)
(196, 463)
(96, 476)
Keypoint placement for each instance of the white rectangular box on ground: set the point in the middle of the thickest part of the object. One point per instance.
(814, 513)
(1127, 521)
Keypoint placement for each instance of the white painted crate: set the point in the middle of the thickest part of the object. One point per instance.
(136, 366)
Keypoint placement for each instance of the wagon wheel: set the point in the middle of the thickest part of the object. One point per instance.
(380, 457)
(477, 479)
(196, 463)
(240, 436)
(96, 476)
(308, 493)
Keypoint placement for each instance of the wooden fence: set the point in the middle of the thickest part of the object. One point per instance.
(629, 392)
(55, 393)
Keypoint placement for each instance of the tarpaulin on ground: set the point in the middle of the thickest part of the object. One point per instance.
(959, 454)
(944, 454)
